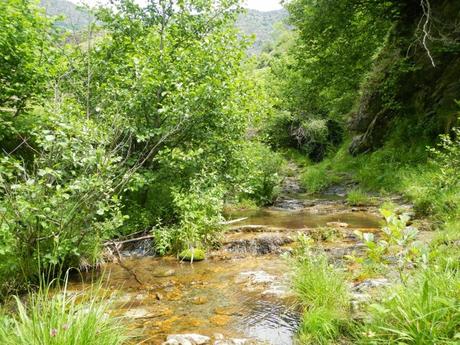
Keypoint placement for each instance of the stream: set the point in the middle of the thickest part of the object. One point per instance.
(240, 294)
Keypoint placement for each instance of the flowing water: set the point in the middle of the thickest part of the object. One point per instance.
(236, 293)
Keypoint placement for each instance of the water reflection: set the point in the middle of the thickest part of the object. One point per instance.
(305, 219)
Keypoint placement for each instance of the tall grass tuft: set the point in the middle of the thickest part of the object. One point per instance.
(357, 197)
(426, 311)
(50, 317)
(323, 294)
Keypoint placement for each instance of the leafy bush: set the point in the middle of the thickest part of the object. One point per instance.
(120, 128)
(60, 206)
(198, 213)
(396, 245)
(262, 174)
(26, 55)
(62, 318)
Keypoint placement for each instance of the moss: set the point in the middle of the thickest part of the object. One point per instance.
(193, 254)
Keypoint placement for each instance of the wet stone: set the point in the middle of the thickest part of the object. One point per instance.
(337, 224)
(371, 284)
(289, 204)
(229, 311)
(338, 190)
(236, 342)
(187, 339)
(260, 246)
(164, 273)
(220, 320)
(255, 277)
(200, 300)
(139, 313)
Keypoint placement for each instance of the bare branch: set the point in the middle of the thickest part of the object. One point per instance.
(426, 7)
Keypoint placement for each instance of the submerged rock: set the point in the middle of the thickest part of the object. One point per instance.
(289, 204)
(220, 320)
(259, 245)
(163, 273)
(138, 313)
(187, 339)
(256, 277)
(236, 341)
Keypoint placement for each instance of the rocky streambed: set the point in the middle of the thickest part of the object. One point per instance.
(240, 294)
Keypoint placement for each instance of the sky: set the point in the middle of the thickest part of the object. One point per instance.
(264, 5)
(261, 5)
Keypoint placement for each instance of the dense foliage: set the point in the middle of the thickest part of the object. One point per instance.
(140, 123)
(152, 118)
(320, 72)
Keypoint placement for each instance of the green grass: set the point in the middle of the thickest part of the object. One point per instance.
(324, 233)
(323, 294)
(389, 170)
(445, 248)
(316, 178)
(426, 311)
(357, 197)
(299, 158)
(61, 318)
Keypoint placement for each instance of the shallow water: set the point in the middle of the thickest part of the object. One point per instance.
(237, 296)
(305, 218)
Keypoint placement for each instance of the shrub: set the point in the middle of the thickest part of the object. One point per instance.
(262, 174)
(397, 245)
(60, 206)
(198, 213)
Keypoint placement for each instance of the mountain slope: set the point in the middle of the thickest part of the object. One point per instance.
(75, 17)
(261, 24)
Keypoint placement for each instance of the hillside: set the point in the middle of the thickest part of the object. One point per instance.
(254, 22)
(75, 18)
(261, 24)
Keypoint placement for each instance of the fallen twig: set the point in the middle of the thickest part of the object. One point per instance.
(233, 221)
(147, 237)
(120, 262)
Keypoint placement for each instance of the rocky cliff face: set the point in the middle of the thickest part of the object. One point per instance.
(405, 92)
